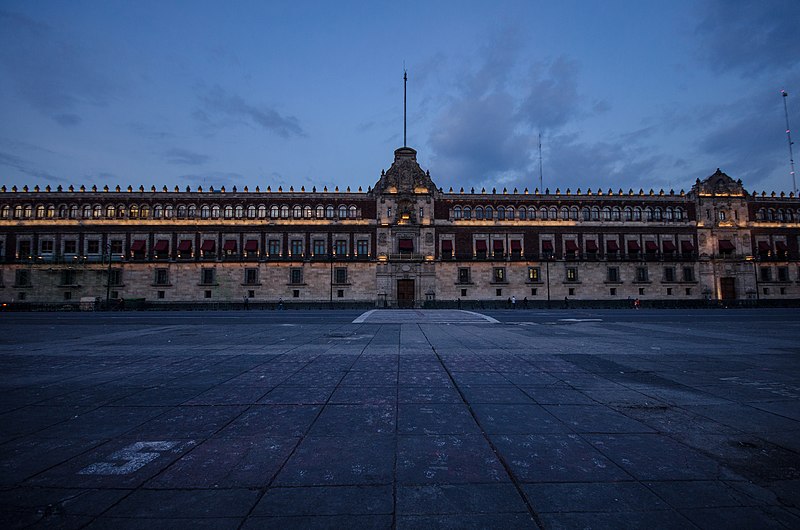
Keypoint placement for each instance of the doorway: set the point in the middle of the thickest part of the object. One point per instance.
(405, 293)
(727, 287)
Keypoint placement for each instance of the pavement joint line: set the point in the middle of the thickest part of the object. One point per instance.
(514, 480)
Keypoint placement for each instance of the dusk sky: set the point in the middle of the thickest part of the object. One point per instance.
(626, 94)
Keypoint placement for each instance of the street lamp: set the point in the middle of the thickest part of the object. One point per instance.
(547, 256)
(108, 277)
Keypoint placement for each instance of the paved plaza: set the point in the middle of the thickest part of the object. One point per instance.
(401, 419)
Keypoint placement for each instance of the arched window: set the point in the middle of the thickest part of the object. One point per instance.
(215, 211)
(637, 214)
(606, 214)
(5, 211)
(352, 212)
(761, 214)
(479, 212)
(227, 212)
(531, 213)
(679, 214)
(120, 211)
(262, 211)
(543, 213)
(615, 213)
(564, 213)
(308, 213)
(669, 214)
(191, 211)
(721, 215)
(274, 211)
(62, 211)
(789, 216)
(168, 209)
(501, 213)
(467, 212)
(657, 214)
(489, 212)
(329, 211)
(40, 211)
(457, 212)
(586, 214)
(342, 211)
(27, 211)
(205, 212)
(73, 211)
(595, 213)
(510, 213)
(553, 213)
(18, 211)
(573, 213)
(521, 213)
(87, 212)
(628, 213)
(181, 211)
(297, 211)
(134, 211)
(239, 211)
(779, 214)
(158, 211)
(320, 212)
(770, 215)
(284, 211)
(144, 211)
(251, 211)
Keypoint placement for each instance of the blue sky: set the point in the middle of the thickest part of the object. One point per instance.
(625, 94)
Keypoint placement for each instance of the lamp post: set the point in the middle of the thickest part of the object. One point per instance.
(547, 256)
(108, 277)
(332, 256)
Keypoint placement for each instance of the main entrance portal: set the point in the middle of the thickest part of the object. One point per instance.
(727, 287)
(405, 293)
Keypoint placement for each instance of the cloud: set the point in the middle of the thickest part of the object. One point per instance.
(49, 71)
(219, 103)
(552, 97)
(184, 156)
(26, 167)
(749, 37)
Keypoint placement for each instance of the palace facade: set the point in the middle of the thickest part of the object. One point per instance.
(403, 243)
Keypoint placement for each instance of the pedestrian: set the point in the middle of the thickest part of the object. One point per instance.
(636, 304)
(246, 302)
(508, 303)
(280, 303)
(566, 303)
(525, 303)
(513, 302)
(459, 303)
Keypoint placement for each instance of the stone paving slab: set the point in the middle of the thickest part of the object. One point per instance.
(401, 419)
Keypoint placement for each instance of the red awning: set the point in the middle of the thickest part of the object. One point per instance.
(571, 245)
(185, 245)
(547, 246)
(162, 245)
(405, 245)
(447, 245)
(669, 246)
(516, 244)
(251, 245)
(687, 246)
(591, 245)
(208, 245)
(781, 246)
(497, 245)
(725, 245)
(229, 245)
(139, 245)
(763, 246)
(633, 246)
(480, 245)
(612, 246)
(650, 246)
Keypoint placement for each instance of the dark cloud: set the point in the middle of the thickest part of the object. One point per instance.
(49, 70)
(552, 96)
(219, 103)
(749, 37)
(26, 167)
(217, 179)
(184, 156)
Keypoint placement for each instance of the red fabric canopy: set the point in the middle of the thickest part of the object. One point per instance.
(612, 246)
(208, 245)
(405, 245)
(547, 246)
(480, 245)
(633, 246)
(516, 244)
(763, 246)
(162, 245)
(725, 245)
(669, 246)
(229, 245)
(185, 245)
(687, 246)
(447, 245)
(650, 246)
(251, 245)
(591, 245)
(139, 245)
(781, 246)
(571, 245)
(497, 245)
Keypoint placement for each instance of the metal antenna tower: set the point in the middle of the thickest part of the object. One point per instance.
(789, 139)
(541, 179)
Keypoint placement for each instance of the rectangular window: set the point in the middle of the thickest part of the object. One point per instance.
(296, 293)
(669, 291)
(68, 277)
(766, 274)
(669, 274)
(47, 246)
(319, 247)
(641, 291)
(612, 291)
(161, 295)
(463, 275)
(572, 274)
(115, 277)
(534, 274)
(251, 276)
(499, 274)
(340, 293)
(340, 247)
(362, 248)
(296, 248)
(533, 291)
(641, 274)
(22, 278)
(688, 291)
(116, 246)
(498, 292)
(688, 274)
(783, 274)
(463, 292)
(251, 294)
(24, 249)
(162, 277)
(296, 276)
(70, 246)
(207, 294)
(613, 274)
(67, 295)
(93, 246)
(274, 248)
(340, 275)
(207, 276)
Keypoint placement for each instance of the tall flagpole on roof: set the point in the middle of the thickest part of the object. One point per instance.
(789, 139)
(405, 82)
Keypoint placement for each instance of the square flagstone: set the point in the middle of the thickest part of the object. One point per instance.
(520, 521)
(188, 422)
(340, 460)
(556, 458)
(273, 420)
(517, 419)
(339, 420)
(426, 394)
(167, 504)
(459, 499)
(592, 497)
(331, 522)
(435, 418)
(493, 394)
(595, 418)
(326, 500)
(427, 379)
(661, 519)
(450, 459)
(373, 395)
(297, 395)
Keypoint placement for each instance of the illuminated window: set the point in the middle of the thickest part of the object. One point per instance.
(534, 274)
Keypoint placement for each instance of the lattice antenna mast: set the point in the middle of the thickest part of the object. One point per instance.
(789, 139)
(405, 83)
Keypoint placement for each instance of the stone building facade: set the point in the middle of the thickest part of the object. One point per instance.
(403, 243)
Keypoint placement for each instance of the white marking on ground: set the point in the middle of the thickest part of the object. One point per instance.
(129, 459)
(423, 316)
